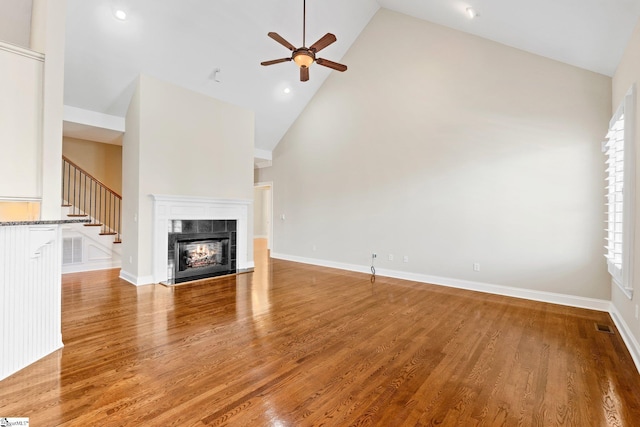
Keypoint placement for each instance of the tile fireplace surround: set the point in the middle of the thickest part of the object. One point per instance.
(167, 208)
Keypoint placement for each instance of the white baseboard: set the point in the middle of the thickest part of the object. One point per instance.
(529, 294)
(79, 268)
(627, 335)
(135, 280)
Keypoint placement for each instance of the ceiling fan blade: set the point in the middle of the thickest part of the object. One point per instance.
(277, 37)
(304, 74)
(275, 61)
(331, 64)
(325, 41)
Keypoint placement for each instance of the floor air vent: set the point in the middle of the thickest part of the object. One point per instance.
(604, 328)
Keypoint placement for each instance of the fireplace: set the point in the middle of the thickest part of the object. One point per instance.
(200, 248)
(184, 214)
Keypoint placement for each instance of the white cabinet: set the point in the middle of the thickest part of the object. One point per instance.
(21, 88)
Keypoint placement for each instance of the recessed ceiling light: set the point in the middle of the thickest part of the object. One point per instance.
(120, 14)
(287, 90)
(471, 13)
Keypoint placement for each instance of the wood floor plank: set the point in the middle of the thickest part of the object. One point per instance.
(300, 345)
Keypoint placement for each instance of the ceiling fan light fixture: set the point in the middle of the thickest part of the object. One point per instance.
(303, 58)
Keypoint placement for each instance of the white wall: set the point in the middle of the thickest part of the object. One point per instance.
(15, 22)
(179, 142)
(452, 150)
(628, 73)
(21, 76)
(31, 107)
(48, 37)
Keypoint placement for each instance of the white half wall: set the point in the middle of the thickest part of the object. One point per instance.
(30, 295)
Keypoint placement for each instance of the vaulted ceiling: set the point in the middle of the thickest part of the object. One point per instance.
(185, 42)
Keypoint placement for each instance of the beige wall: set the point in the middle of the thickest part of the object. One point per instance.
(180, 142)
(452, 150)
(131, 191)
(103, 161)
(627, 74)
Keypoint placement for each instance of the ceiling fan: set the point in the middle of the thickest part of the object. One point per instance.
(305, 56)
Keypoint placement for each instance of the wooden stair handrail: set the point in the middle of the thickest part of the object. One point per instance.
(66, 159)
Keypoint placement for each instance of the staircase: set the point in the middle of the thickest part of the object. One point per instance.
(94, 245)
(87, 197)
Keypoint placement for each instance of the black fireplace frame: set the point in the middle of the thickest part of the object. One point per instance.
(197, 230)
(201, 271)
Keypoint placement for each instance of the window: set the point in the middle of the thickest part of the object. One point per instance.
(620, 175)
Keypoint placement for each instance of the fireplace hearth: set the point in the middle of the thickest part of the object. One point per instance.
(200, 248)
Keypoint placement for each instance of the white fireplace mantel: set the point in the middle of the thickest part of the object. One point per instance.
(167, 208)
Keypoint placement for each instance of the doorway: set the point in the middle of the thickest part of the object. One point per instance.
(263, 212)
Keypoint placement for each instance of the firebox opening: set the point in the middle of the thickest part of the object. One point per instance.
(201, 248)
(202, 253)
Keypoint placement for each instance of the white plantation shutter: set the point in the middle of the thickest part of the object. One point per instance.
(615, 197)
(620, 176)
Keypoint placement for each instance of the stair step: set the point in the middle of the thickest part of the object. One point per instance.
(78, 215)
(117, 241)
(66, 206)
(108, 234)
(92, 225)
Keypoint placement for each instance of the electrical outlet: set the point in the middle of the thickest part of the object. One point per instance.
(390, 257)
(314, 248)
(636, 311)
(476, 266)
(405, 258)
(374, 255)
(130, 260)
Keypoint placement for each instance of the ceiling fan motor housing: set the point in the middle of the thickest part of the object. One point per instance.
(303, 56)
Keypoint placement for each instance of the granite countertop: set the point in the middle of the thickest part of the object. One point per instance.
(45, 222)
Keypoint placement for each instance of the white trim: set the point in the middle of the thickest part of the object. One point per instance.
(529, 294)
(93, 118)
(12, 48)
(627, 291)
(135, 280)
(20, 199)
(169, 207)
(262, 154)
(94, 266)
(627, 336)
(262, 158)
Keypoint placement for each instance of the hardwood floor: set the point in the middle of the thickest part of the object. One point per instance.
(298, 345)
